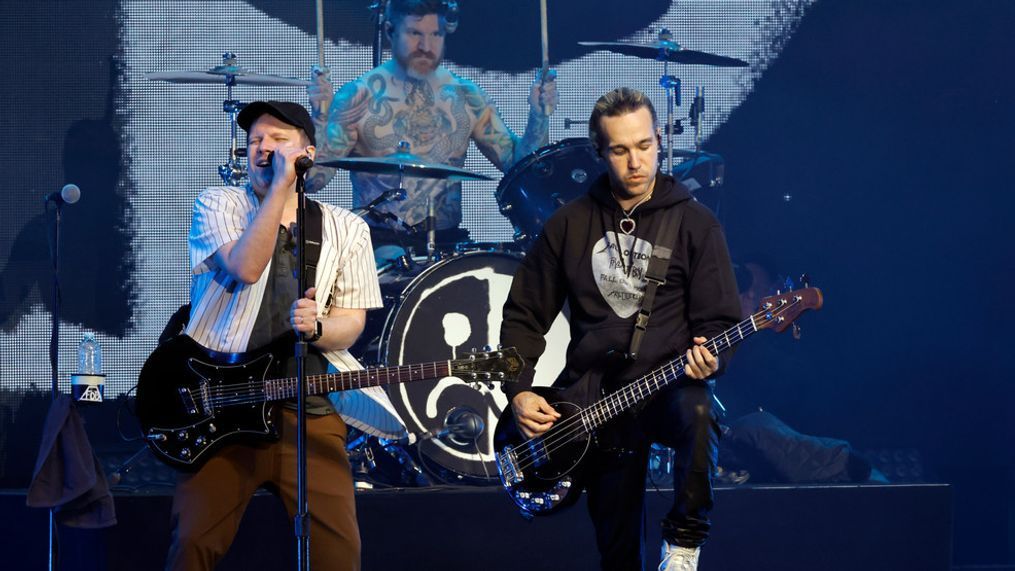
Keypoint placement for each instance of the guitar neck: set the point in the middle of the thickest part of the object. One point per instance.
(279, 389)
(647, 385)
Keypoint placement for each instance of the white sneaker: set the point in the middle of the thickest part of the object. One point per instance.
(676, 558)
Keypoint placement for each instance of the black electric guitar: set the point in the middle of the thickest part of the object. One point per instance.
(191, 400)
(543, 474)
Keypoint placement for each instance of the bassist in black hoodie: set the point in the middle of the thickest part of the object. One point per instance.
(593, 254)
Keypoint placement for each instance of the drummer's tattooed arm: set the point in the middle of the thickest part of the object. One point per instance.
(493, 137)
(350, 106)
(337, 138)
(537, 134)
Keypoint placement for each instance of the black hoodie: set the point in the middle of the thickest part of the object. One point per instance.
(583, 258)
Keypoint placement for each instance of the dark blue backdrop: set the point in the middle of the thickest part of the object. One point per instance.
(890, 125)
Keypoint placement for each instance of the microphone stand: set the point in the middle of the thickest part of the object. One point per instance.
(54, 358)
(301, 522)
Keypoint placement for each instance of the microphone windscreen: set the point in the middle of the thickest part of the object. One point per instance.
(70, 193)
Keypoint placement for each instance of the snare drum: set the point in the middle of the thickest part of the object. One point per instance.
(442, 311)
(544, 181)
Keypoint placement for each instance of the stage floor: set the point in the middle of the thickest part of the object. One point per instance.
(871, 527)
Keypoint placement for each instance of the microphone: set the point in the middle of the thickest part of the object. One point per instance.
(69, 194)
(431, 230)
(462, 426)
(303, 164)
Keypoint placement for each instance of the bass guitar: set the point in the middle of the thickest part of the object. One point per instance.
(543, 475)
(191, 400)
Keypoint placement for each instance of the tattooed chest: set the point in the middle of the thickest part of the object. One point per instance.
(435, 125)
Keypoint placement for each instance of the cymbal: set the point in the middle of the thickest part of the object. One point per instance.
(406, 164)
(667, 50)
(686, 153)
(221, 74)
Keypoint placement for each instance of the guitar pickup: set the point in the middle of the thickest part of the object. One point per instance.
(201, 404)
(537, 451)
(187, 400)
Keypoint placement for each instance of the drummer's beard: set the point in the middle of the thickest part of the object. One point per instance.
(419, 64)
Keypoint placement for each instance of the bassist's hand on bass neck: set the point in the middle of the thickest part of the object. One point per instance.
(533, 414)
(700, 363)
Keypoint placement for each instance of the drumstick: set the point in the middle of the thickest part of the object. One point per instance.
(544, 38)
(320, 33)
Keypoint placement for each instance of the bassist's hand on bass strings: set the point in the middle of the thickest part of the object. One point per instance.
(533, 414)
(700, 363)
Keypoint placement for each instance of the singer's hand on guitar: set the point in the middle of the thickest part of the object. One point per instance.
(533, 414)
(700, 363)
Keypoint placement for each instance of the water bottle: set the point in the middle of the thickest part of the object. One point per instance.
(89, 355)
(88, 384)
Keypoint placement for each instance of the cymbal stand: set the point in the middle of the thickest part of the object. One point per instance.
(672, 86)
(378, 8)
(235, 169)
(696, 113)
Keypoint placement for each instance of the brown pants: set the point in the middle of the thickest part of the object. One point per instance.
(209, 504)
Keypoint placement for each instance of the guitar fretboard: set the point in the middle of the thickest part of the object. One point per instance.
(278, 389)
(645, 386)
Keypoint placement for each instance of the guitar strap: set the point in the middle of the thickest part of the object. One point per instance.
(612, 440)
(315, 234)
(655, 276)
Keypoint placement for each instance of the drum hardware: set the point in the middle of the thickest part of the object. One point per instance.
(536, 186)
(431, 230)
(378, 10)
(700, 170)
(230, 74)
(404, 164)
(371, 210)
(669, 50)
(568, 122)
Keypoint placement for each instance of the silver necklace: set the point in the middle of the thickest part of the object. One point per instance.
(627, 224)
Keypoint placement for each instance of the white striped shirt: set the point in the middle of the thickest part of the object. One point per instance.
(224, 310)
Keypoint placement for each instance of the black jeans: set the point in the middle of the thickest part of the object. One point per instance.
(683, 418)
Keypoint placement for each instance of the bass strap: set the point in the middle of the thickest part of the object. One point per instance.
(655, 276)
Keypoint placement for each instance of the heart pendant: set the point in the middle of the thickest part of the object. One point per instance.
(627, 226)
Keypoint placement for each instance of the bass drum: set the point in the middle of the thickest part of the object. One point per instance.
(443, 312)
(544, 181)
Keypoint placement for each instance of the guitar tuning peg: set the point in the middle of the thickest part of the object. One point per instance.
(796, 332)
(487, 348)
(805, 280)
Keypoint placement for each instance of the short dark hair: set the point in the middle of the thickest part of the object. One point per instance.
(399, 9)
(620, 101)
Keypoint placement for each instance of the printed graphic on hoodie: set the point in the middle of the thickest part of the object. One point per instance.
(619, 263)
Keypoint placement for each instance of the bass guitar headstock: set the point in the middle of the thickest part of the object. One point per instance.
(777, 312)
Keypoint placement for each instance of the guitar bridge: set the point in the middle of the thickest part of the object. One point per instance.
(507, 465)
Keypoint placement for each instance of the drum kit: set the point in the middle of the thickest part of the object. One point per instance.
(450, 302)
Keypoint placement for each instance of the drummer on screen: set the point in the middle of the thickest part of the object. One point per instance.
(412, 98)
